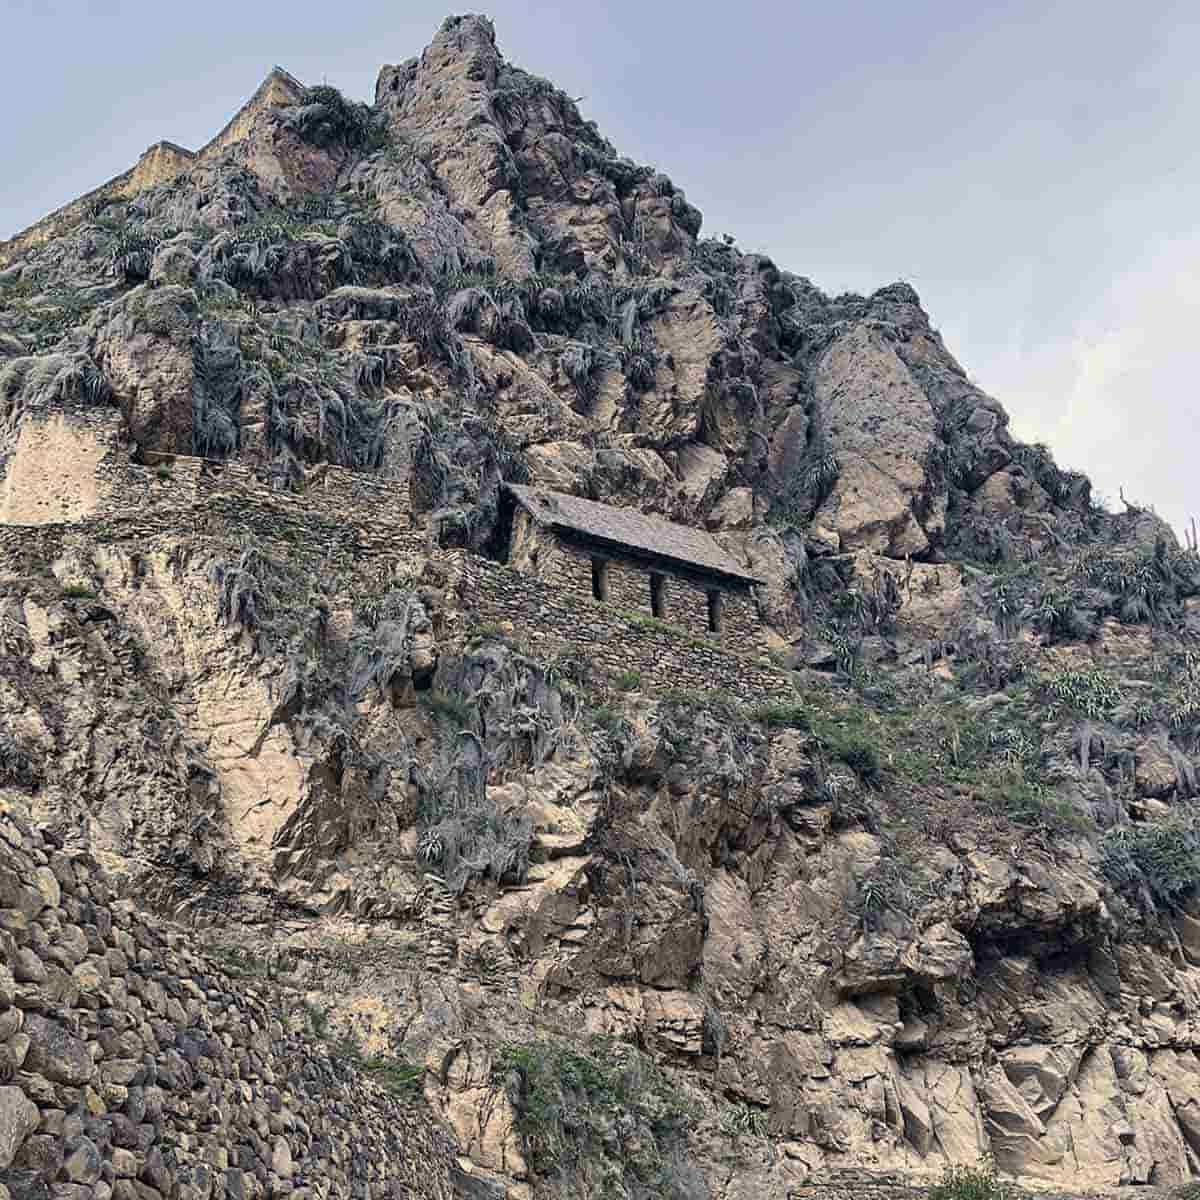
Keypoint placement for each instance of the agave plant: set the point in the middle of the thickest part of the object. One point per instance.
(132, 254)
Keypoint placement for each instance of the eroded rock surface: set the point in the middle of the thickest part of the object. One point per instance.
(937, 899)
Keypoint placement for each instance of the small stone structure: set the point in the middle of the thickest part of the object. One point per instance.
(161, 162)
(72, 479)
(635, 562)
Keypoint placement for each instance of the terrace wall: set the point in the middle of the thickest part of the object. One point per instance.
(94, 493)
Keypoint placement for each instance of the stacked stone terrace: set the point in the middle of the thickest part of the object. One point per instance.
(135, 1069)
(73, 476)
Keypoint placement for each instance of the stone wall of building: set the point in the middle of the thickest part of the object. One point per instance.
(353, 516)
(61, 469)
(279, 88)
(550, 617)
(135, 1069)
(626, 585)
(158, 164)
(70, 467)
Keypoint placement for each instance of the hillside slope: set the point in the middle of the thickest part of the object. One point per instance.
(921, 888)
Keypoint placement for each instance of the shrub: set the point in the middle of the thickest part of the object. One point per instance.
(17, 765)
(1145, 585)
(1090, 692)
(970, 1183)
(78, 591)
(882, 888)
(472, 839)
(863, 759)
(243, 593)
(1038, 464)
(325, 117)
(1158, 864)
(1062, 617)
(132, 254)
(568, 1102)
(1028, 802)
(450, 708)
(607, 718)
(1183, 700)
(627, 681)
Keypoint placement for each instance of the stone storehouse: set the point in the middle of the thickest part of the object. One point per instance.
(634, 562)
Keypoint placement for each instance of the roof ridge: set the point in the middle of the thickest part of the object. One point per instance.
(628, 526)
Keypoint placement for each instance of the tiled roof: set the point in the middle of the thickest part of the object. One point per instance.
(627, 527)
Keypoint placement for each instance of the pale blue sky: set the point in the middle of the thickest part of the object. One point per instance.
(1029, 167)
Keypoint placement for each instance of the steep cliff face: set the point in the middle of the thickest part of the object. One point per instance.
(937, 899)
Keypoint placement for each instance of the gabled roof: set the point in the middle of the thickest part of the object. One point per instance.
(630, 529)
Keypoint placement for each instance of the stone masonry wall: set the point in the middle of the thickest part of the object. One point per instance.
(60, 469)
(550, 617)
(161, 162)
(134, 1069)
(355, 516)
(342, 511)
(685, 597)
(567, 565)
(870, 1185)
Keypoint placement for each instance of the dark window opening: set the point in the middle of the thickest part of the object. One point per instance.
(599, 579)
(658, 595)
(715, 613)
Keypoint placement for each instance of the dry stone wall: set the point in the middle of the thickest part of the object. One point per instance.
(685, 598)
(91, 484)
(873, 1185)
(59, 471)
(355, 516)
(134, 1069)
(549, 618)
(568, 566)
(363, 513)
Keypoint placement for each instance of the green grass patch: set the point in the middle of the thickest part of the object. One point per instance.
(79, 591)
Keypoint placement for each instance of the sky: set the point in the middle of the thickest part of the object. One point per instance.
(1030, 168)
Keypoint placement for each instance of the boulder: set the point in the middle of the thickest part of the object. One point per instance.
(18, 1119)
(56, 1053)
(880, 427)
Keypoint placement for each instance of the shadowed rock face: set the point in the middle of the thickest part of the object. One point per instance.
(940, 902)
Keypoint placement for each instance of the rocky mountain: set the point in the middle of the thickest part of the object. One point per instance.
(425, 871)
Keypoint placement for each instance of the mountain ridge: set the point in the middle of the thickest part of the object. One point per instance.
(898, 870)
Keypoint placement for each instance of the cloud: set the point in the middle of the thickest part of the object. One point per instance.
(1118, 391)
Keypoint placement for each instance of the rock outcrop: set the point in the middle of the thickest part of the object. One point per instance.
(915, 878)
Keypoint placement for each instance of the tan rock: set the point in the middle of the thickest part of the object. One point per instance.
(880, 428)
